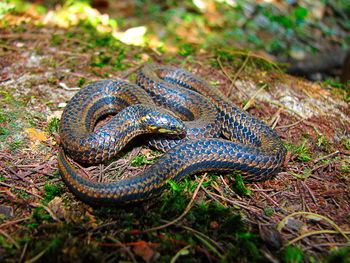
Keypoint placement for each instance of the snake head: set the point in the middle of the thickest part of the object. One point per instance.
(160, 120)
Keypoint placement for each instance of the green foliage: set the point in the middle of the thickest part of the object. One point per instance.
(269, 211)
(186, 49)
(81, 82)
(177, 198)
(12, 6)
(8, 245)
(339, 89)
(292, 255)
(53, 125)
(51, 191)
(239, 186)
(244, 247)
(40, 214)
(301, 150)
(339, 255)
(346, 143)
(16, 144)
(141, 160)
(56, 39)
(4, 116)
(4, 131)
(203, 214)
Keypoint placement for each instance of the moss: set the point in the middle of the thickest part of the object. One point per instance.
(53, 125)
(292, 255)
(51, 191)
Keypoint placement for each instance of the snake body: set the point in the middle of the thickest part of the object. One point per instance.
(251, 147)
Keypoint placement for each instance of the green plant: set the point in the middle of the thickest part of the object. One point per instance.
(178, 196)
(186, 49)
(292, 254)
(81, 82)
(40, 214)
(51, 191)
(53, 125)
(301, 151)
(269, 211)
(239, 186)
(339, 255)
(16, 144)
(141, 160)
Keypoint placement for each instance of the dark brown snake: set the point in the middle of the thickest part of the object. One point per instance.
(194, 145)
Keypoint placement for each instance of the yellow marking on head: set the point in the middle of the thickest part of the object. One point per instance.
(163, 130)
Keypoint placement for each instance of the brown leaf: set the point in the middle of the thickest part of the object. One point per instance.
(144, 251)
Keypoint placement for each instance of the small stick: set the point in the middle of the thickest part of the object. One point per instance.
(251, 100)
(188, 208)
(238, 72)
(232, 82)
(327, 156)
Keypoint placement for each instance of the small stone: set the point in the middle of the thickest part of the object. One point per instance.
(6, 211)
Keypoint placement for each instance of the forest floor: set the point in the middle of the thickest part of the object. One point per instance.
(301, 215)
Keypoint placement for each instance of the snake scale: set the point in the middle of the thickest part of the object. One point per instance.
(204, 131)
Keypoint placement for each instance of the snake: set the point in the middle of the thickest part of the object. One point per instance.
(179, 112)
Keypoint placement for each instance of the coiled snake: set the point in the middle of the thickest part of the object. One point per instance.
(250, 147)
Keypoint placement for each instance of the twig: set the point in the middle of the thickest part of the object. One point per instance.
(65, 87)
(231, 201)
(126, 249)
(287, 108)
(180, 253)
(255, 56)
(237, 73)
(51, 213)
(317, 232)
(19, 188)
(320, 166)
(113, 223)
(13, 222)
(188, 208)
(65, 61)
(275, 119)
(9, 238)
(127, 161)
(327, 245)
(23, 252)
(327, 156)
(283, 222)
(10, 48)
(231, 80)
(38, 256)
(269, 198)
(202, 235)
(210, 194)
(289, 125)
(252, 98)
(310, 192)
(21, 176)
(226, 185)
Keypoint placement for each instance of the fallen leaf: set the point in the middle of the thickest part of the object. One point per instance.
(57, 206)
(144, 251)
(36, 134)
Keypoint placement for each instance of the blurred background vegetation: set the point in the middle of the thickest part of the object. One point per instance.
(284, 31)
